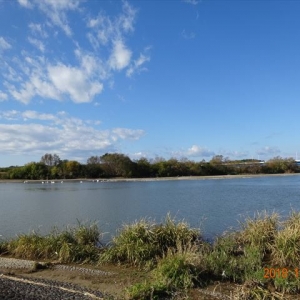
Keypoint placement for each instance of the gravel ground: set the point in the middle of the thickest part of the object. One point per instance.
(13, 263)
(81, 270)
(18, 287)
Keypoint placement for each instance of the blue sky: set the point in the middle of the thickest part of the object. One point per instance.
(173, 78)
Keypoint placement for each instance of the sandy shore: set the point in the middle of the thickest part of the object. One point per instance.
(202, 177)
(79, 180)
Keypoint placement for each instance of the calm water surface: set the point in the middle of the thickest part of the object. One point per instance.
(214, 205)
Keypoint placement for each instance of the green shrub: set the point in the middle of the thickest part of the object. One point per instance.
(255, 290)
(241, 255)
(147, 291)
(143, 242)
(290, 285)
(172, 234)
(259, 231)
(176, 271)
(87, 234)
(3, 247)
(229, 261)
(77, 244)
(286, 246)
(134, 245)
(31, 246)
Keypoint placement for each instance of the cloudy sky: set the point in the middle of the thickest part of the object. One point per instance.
(176, 78)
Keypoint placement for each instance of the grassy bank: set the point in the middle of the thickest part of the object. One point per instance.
(262, 256)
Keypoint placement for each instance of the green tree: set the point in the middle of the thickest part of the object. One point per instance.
(281, 165)
(17, 173)
(143, 168)
(31, 170)
(117, 165)
(94, 160)
(93, 167)
(72, 169)
(50, 159)
(217, 160)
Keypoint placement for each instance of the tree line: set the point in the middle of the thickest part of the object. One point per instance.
(112, 165)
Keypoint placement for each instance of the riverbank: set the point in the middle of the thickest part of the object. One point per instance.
(169, 260)
(21, 282)
(99, 180)
(20, 279)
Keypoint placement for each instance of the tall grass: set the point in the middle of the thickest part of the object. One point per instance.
(74, 244)
(3, 247)
(176, 271)
(176, 256)
(143, 242)
(240, 255)
(286, 246)
(259, 231)
(262, 242)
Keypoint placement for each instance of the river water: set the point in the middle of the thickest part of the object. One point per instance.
(214, 205)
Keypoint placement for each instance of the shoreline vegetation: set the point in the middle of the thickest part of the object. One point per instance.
(151, 179)
(115, 166)
(261, 258)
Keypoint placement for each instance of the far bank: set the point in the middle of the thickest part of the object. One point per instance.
(120, 179)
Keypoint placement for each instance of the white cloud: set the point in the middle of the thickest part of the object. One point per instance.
(58, 18)
(124, 133)
(109, 29)
(10, 73)
(120, 56)
(111, 32)
(56, 82)
(32, 75)
(235, 154)
(93, 40)
(104, 29)
(196, 151)
(188, 35)
(193, 2)
(4, 45)
(138, 155)
(55, 10)
(38, 29)
(25, 94)
(25, 3)
(31, 114)
(35, 84)
(62, 4)
(44, 88)
(136, 66)
(37, 133)
(92, 65)
(3, 96)
(73, 81)
(128, 17)
(37, 43)
(267, 150)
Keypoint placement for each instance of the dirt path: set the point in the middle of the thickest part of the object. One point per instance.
(79, 282)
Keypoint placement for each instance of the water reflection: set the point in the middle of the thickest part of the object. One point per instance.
(220, 203)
